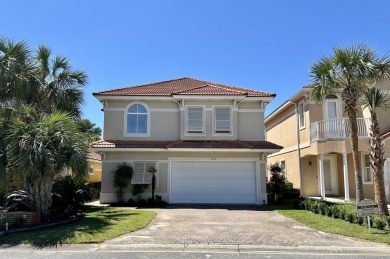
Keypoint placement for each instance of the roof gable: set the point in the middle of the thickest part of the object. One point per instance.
(183, 86)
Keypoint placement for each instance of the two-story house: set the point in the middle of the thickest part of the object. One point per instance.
(317, 155)
(205, 139)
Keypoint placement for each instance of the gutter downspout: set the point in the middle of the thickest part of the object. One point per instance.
(298, 149)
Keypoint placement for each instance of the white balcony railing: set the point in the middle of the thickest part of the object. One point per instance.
(337, 129)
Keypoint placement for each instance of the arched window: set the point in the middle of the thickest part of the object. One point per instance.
(137, 120)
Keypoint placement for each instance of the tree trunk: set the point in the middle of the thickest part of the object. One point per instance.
(377, 162)
(41, 193)
(350, 97)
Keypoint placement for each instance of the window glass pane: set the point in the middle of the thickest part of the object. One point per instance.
(141, 109)
(137, 121)
(283, 166)
(132, 109)
(131, 123)
(222, 119)
(332, 112)
(195, 119)
(142, 124)
(301, 113)
(141, 174)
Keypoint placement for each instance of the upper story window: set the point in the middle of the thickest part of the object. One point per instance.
(367, 172)
(283, 167)
(222, 119)
(137, 120)
(301, 114)
(195, 119)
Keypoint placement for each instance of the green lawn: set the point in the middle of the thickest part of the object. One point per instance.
(97, 225)
(330, 225)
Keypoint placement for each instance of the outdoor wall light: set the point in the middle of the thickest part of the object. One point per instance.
(309, 162)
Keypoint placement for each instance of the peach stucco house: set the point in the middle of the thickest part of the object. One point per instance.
(315, 135)
(205, 139)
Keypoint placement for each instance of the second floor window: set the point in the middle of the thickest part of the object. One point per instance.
(301, 114)
(367, 175)
(137, 119)
(222, 119)
(283, 167)
(195, 119)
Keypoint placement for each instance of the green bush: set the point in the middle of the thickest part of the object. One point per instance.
(342, 212)
(350, 217)
(359, 220)
(321, 208)
(379, 223)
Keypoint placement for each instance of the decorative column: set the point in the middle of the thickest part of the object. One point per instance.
(346, 183)
(322, 178)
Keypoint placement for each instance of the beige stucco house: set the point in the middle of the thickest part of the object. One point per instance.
(205, 139)
(316, 156)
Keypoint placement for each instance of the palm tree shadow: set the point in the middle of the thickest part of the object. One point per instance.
(58, 236)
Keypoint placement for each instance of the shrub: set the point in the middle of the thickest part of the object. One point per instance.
(321, 208)
(306, 204)
(342, 212)
(379, 223)
(335, 210)
(350, 217)
(69, 195)
(138, 189)
(359, 220)
(315, 207)
(277, 183)
(122, 177)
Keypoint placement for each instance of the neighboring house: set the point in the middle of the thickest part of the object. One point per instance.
(94, 174)
(315, 135)
(95, 168)
(205, 139)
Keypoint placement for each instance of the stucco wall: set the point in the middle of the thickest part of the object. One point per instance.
(292, 173)
(167, 121)
(113, 159)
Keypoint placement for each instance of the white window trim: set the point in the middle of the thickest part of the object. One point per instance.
(214, 117)
(203, 133)
(364, 170)
(303, 103)
(325, 108)
(156, 174)
(125, 134)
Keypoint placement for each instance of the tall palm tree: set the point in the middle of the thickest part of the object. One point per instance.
(61, 87)
(376, 98)
(349, 71)
(40, 147)
(17, 71)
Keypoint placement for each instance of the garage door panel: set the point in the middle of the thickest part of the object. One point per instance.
(213, 182)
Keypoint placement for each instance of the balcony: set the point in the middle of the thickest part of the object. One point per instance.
(337, 129)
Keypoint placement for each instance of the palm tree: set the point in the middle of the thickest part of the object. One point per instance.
(376, 98)
(349, 71)
(61, 87)
(40, 147)
(17, 71)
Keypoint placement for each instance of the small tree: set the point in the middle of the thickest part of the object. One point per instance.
(122, 177)
(153, 171)
(276, 184)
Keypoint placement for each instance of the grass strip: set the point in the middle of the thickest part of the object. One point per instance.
(98, 224)
(331, 225)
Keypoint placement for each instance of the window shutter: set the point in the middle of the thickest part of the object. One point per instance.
(223, 119)
(141, 174)
(195, 119)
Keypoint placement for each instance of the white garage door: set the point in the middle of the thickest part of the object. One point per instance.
(213, 182)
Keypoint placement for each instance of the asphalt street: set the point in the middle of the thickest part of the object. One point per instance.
(145, 255)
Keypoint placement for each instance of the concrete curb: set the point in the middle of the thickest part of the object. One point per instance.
(205, 248)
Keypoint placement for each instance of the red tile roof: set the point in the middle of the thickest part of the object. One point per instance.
(195, 144)
(94, 156)
(183, 86)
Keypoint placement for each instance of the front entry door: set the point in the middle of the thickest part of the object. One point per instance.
(330, 175)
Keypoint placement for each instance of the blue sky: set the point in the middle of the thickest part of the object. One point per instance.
(264, 45)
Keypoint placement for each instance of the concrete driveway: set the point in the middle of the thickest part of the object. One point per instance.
(232, 225)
